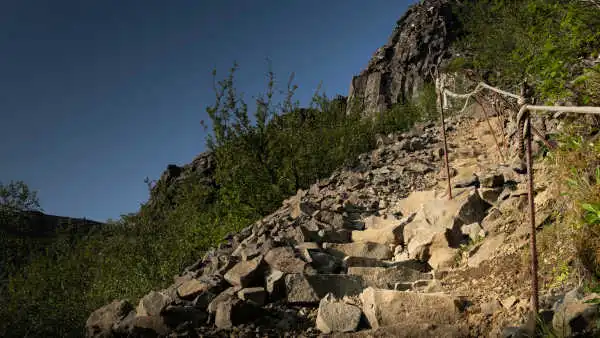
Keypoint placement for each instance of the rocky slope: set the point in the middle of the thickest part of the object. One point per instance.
(378, 250)
(401, 67)
(374, 250)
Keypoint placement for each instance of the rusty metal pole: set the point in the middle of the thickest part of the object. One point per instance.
(534, 257)
(445, 144)
(524, 115)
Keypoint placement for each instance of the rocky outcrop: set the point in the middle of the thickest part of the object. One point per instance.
(201, 169)
(401, 67)
(203, 165)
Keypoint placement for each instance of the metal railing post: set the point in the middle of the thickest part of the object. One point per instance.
(533, 244)
(439, 95)
(524, 120)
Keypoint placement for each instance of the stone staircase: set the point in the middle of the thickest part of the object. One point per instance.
(369, 252)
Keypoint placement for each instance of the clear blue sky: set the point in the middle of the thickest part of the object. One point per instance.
(97, 95)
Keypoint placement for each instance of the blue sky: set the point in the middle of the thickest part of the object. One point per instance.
(97, 95)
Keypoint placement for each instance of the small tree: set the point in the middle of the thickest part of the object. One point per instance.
(17, 196)
(15, 199)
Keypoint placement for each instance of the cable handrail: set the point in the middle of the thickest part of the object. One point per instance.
(525, 129)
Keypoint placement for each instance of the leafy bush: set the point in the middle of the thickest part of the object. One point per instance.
(588, 86)
(266, 157)
(541, 40)
(15, 199)
(578, 163)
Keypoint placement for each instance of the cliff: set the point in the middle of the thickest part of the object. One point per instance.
(419, 42)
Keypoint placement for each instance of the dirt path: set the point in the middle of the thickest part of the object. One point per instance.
(499, 286)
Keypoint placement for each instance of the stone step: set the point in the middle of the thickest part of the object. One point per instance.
(370, 250)
(389, 307)
(386, 278)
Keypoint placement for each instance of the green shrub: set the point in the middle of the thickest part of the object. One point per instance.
(578, 163)
(588, 86)
(539, 40)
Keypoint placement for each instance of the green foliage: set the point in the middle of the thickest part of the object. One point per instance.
(17, 196)
(540, 40)
(15, 199)
(578, 163)
(588, 86)
(562, 272)
(592, 212)
(266, 157)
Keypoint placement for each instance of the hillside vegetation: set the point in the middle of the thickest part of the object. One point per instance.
(542, 41)
(268, 150)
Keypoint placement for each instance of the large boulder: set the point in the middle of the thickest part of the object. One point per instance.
(245, 273)
(383, 232)
(386, 278)
(337, 316)
(255, 295)
(324, 262)
(577, 315)
(441, 255)
(284, 259)
(100, 323)
(152, 304)
(231, 311)
(414, 201)
(192, 288)
(275, 283)
(389, 307)
(486, 250)
(302, 288)
(359, 249)
(443, 216)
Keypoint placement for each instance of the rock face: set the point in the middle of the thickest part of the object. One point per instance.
(402, 66)
(202, 168)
